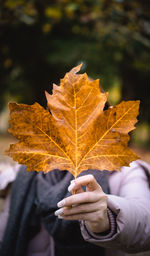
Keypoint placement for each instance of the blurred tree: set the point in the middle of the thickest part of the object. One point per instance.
(41, 40)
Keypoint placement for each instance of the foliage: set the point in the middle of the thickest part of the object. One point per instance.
(40, 40)
(74, 133)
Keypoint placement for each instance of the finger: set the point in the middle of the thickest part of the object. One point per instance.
(86, 197)
(74, 190)
(81, 216)
(86, 180)
(77, 191)
(83, 208)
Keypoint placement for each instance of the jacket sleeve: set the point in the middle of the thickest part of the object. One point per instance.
(130, 204)
(8, 174)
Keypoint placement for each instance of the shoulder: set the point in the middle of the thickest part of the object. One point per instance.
(8, 173)
(138, 171)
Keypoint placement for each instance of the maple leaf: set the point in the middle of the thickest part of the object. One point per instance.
(75, 132)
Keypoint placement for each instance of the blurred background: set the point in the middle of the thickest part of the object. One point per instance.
(41, 40)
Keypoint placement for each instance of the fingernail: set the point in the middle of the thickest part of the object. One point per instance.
(70, 188)
(61, 203)
(58, 212)
(60, 217)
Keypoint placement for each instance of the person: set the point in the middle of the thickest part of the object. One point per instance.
(128, 228)
(107, 214)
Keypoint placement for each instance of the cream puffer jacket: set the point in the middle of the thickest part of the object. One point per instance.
(130, 201)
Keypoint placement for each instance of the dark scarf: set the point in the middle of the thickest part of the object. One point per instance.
(35, 195)
(21, 207)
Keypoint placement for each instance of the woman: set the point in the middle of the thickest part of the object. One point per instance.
(127, 227)
(113, 213)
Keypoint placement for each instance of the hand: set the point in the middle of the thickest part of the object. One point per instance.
(90, 206)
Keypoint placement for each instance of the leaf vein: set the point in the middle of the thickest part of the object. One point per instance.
(105, 134)
(56, 145)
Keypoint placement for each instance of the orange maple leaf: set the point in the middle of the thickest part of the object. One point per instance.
(74, 133)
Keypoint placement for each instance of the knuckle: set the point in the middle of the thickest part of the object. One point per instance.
(90, 177)
(103, 207)
(81, 208)
(97, 195)
(88, 196)
(70, 200)
(105, 197)
(67, 210)
(102, 196)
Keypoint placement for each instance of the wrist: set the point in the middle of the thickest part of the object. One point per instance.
(102, 235)
(100, 226)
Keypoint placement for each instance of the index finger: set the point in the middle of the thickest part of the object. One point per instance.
(81, 198)
(87, 180)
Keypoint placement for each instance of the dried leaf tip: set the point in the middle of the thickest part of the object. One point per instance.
(76, 69)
